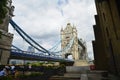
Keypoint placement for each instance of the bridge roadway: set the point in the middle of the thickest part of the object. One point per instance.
(24, 55)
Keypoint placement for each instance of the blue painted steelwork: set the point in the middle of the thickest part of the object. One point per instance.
(54, 47)
(35, 44)
(51, 56)
(16, 48)
(28, 38)
(16, 54)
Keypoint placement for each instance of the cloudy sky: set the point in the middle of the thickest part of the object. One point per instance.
(43, 20)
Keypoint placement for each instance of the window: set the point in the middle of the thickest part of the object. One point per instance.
(67, 37)
(107, 32)
(104, 16)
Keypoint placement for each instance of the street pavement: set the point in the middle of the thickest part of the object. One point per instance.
(83, 73)
(83, 77)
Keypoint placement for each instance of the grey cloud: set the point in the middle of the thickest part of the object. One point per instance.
(62, 2)
(45, 36)
(42, 19)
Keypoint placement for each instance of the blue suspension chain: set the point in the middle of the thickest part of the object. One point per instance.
(25, 38)
(19, 30)
(28, 36)
(17, 48)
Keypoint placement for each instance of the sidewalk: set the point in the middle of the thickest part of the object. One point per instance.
(98, 75)
(83, 77)
(89, 75)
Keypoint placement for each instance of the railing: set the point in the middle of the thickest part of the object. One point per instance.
(32, 53)
(39, 55)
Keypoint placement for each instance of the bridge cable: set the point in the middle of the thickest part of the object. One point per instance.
(67, 47)
(11, 21)
(54, 47)
(25, 38)
(17, 48)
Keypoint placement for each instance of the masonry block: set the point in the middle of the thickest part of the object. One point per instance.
(5, 46)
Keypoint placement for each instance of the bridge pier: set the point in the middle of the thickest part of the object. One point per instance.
(81, 63)
(5, 46)
(67, 63)
(5, 37)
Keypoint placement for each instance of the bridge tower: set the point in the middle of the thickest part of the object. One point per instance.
(5, 36)
(78, 48)
(66, 35)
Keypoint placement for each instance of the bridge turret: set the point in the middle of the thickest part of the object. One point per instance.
(6, 38)
(6, 14)
(69, 33)
(76, 47)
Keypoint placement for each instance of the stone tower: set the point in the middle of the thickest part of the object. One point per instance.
(78, 48)
(106, 45)
(9, 8)
(5, 37)
(66, 35)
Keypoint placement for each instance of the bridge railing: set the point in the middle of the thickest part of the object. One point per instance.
(32, 53)
(17, 54)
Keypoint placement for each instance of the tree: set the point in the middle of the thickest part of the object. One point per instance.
(0, 34)
(3, 10)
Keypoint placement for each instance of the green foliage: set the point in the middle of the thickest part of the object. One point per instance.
(1, 21)
(23, 76)
(0, 34)
(3, 10)
(6, 78)
(35, 74)
(37, 64)
(27, 63)
(3, 2)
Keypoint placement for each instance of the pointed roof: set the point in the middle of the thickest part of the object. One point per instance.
(68, 26)
(62, 29)
(68, 23)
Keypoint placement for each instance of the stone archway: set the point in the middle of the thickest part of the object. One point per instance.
(67, 55)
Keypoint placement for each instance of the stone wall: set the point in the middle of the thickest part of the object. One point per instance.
(67, 35)
(107, 36)
(5, 46)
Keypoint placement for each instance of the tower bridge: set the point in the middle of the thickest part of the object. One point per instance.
(70, 43)
(5, 37)
(77, 48)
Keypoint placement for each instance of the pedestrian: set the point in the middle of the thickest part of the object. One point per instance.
(12, 69)
(16, 73)
(3, 72)
(7, 70)
(30, 66)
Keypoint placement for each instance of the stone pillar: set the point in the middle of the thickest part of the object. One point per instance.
(5, 37)
(5, 46)
(75, 45)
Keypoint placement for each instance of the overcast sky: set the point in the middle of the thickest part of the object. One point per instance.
(43, 20)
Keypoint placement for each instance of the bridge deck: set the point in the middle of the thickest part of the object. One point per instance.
(21, 55)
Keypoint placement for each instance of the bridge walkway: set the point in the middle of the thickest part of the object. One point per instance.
(86, 75)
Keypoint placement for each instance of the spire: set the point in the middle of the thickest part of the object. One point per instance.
(68, 23)
(73, 26)
(62, 29)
